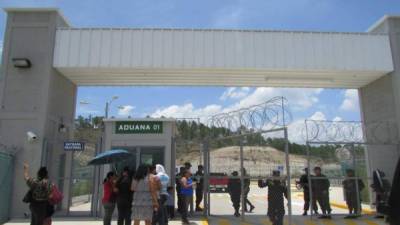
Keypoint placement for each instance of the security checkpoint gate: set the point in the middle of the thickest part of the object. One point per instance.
(41, 97)
(240, 150)
(348, 146)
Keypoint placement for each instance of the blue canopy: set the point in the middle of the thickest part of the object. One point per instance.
(110, 156)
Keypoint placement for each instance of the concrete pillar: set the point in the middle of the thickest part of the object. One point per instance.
(380, 102)
(37, 99)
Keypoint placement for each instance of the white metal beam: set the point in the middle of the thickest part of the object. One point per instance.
(221, 57)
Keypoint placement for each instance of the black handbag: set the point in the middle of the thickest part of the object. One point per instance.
(28, 197)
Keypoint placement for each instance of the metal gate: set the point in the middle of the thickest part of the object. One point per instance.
(233, 156)
(6, 174)
(342, 150)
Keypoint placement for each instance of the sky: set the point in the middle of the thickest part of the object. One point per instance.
(308, 15)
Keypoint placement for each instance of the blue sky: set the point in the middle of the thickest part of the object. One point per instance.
(314, 15)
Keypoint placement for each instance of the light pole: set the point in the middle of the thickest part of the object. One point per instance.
(108, 103)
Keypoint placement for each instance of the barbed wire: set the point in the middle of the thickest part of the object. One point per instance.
(267, 115)
(378, 133)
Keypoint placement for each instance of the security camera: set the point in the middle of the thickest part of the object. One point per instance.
(31, 136)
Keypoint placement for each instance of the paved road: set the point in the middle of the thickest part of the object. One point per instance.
(222, 211)
(221, 204)
(296, 220)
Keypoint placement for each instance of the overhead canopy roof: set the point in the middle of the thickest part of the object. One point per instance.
(221, 57)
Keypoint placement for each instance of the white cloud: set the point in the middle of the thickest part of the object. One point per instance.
(318, 116)
(187, 110)
(125, 110)
(350, 102)
(298, 98)
(337, 119)
(235, 93)
(297, 129)
(297, 132)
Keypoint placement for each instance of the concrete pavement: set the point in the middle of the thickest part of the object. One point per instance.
(222, 211)
(225, 220)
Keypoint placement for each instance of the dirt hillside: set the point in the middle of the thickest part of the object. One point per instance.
(259, 161)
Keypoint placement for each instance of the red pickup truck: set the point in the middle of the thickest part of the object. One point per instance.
(219, 182)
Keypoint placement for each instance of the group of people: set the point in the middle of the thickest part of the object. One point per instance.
(320, 192)
(352, 188)
(277, 191)
(146, 194)
(235, 191)
(143, 195)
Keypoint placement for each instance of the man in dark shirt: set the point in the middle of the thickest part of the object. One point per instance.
(320, 185)
(381, 186)
(199, 187)
(277, 190)
(352, 195)
(303, 183)
(235, 190)
(124, 197)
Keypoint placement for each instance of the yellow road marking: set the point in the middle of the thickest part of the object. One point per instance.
(343, 206)
(223, 222)
(204, 221)
(369, 222)
(309, 222)
(327, 222)
(244, 223)
(266, 222)
(286, 222)
(350, 222)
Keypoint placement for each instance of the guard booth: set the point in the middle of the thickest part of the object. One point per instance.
(150, 141)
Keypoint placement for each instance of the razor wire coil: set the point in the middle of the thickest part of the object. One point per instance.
(379, 133)
(270, 114)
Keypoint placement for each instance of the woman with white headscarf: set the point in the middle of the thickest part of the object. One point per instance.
(161, 217)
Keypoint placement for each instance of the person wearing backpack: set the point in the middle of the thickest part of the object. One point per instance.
(38, 195)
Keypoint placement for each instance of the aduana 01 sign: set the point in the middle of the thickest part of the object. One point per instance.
(138, 127)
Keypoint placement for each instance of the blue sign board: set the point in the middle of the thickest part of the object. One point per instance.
(74, 146)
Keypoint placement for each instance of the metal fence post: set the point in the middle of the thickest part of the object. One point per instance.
(242, 178)
(309, 179)
(356, 178)
(288, 176)
(206, 186)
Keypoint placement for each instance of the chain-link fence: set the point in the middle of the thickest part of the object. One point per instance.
(6, 177)
(246, 175)
(343, 158)
(82, 182)
(240, 161)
